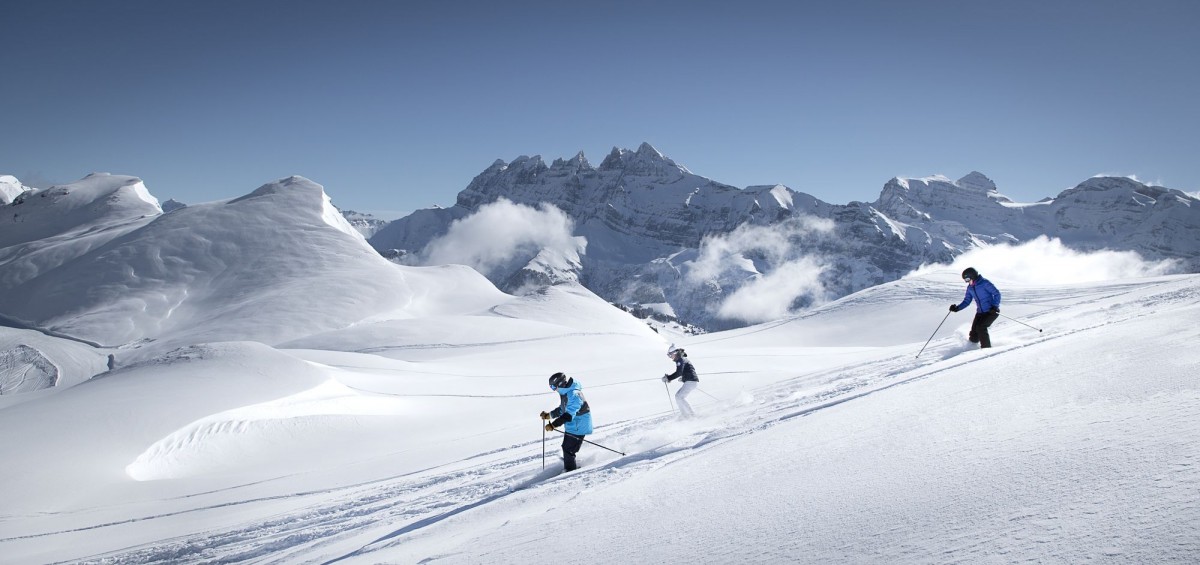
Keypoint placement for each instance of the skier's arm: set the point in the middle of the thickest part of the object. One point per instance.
(564, 418)
(966, 299)
(678, 372)
(574, 403)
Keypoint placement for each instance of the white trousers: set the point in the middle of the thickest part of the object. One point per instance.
(681, 398)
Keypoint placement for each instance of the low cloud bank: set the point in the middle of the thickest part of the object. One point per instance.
(770, 296)
(502, 233)
(765, 263)
(1047, 261)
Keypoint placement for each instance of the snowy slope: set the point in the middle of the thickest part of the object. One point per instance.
(274, 265)
(31, 361)
(279, 393)
(822, 438)
(1072, 448)
(93, 208)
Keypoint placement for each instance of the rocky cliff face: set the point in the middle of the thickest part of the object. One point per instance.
(658, 234)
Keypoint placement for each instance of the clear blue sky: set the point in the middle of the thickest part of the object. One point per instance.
(397, 105)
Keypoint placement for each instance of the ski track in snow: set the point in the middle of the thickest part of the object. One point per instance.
(327, 525)
(423, 346)
(26, 369)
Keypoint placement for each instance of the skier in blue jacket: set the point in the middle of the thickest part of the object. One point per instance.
(987, 306)
(573, 410)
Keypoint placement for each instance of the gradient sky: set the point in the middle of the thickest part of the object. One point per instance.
(394, 106)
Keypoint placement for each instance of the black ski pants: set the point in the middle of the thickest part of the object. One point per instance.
(570, 446)
(979, 328)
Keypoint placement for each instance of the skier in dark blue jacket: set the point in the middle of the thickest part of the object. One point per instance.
(685, 371)
(573, 410)
(987, 305)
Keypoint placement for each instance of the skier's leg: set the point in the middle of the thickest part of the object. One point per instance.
(681, 398)
(985, 321)
(979, 331)
(570, 446)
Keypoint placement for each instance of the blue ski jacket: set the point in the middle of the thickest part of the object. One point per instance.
(984, 293)
(574, 406)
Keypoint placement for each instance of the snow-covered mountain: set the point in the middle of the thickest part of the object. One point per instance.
(10, 189)
(366, 224)
(663, 237)
(98, 262)
(248, 381)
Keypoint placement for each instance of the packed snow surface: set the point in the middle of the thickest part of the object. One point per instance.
(821, 438)
(247, 381)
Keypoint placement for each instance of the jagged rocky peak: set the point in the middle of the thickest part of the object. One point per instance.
(575, 164)
(527, 162)
(647, 150)
(613, 161)
(500, 179)
(522, 170)
(913, 199)
(646, 161)
(974, 184)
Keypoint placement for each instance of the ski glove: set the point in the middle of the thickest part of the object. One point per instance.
(666, 379)
(545, 415)
(954, 308)
(994, 310)
(549, 427)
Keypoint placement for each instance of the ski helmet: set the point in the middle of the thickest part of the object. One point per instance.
(672, 350)
(559, 380)
(970, 274)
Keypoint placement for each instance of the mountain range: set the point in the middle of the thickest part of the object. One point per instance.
(662, 239)
(249, 380)
(647, 234)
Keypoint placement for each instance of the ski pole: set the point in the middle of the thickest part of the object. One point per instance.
(709, 395)
(931, 336)
(1022, 323)
(543, 445)
(669, 401)
(591, 442)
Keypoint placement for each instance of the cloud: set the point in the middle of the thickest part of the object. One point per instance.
(1046, 261)
(774, 244)
(765, 266)
(770, 296)
(501, 233)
